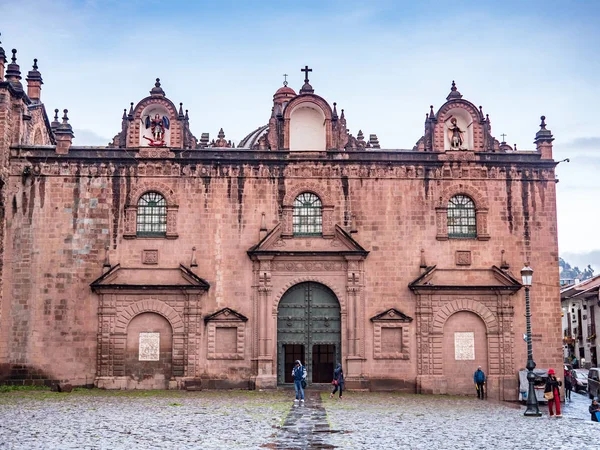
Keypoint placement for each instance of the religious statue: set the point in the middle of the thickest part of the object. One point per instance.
(158, 125)
(455, 135)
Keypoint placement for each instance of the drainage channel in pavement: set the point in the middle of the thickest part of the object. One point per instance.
(305, 427)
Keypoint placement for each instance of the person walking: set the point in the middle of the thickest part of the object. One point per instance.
(479, 380)
(299, 376)
(552, 394)
(569, 381)
(338, 381)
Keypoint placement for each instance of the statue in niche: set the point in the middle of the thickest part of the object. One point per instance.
(158, 125)
(455, 135)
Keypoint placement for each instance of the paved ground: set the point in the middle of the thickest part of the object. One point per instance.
(255, 420)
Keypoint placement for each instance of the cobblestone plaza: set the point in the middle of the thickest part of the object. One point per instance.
(254, 420)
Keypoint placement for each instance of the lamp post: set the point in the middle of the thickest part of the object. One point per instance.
(532, 404)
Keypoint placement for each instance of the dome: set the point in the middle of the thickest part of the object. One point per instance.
(285, 90)
(252, 138)
(283, 94)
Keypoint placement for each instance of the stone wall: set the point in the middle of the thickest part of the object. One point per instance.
(63, 216)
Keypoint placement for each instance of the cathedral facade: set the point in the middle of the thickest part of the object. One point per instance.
(163, 260)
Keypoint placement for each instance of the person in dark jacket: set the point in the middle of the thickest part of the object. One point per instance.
(594, 408)
(569, 382)
(338, 380)
(552, 385)
(479, 380)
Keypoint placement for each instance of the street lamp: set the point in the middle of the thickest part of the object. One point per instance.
(532, 403)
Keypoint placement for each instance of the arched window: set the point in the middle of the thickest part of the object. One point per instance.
(152, 215)
(461, 217)
(308, 215)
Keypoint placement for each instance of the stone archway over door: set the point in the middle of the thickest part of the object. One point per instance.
(149, 352)
(465, 347)
(308, 328)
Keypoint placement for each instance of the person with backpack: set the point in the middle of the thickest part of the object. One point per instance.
(299, 376)
(479, 380)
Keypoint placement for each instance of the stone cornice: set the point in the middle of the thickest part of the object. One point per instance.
(134, 155)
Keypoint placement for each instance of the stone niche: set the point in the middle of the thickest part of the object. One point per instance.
(149, 352)
(149, 327)
(225, 332)
(391, 334)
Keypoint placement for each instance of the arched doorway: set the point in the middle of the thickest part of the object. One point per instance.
(149, 352)
(308, 329)
(465, 347)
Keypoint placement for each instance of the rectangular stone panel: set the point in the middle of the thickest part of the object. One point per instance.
(149, 346)
(391, 340)
(464, 346)
(226, 340)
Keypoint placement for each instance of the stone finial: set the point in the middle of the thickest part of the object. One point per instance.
(353, 229)
(503, 264)
(543, 135)
(180, 114)
(342, 117)
(130, 115)
(454, 94)
(334, 115)
(13, 72)
(263, 227)
(2, 53)
(107, 257)
(431, 113)
(124, 114)
(374, 141)
(55, 123)
(221, 142)
(34, 82)
(157, 91)
(360, 136)
(204, 140)
(515, 147)
(194, 263)
(187, 116)
(64, 135)
(423, 263)
(543, 140)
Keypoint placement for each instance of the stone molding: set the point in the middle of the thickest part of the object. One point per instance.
(439, 319)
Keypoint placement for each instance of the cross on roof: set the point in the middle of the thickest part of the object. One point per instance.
(503, 137)
(306, 70)
(285, 75)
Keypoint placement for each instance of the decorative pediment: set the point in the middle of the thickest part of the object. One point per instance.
(341, 244)
(226, 315)
(149, 279)
(391, 315)
(493, 279)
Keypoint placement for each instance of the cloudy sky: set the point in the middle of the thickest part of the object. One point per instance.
(384, 62)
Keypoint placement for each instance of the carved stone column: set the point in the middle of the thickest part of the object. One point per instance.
(266, 377)
(482, 225)
(130, 222)
(354, 321)
(287, 219)
(172, 222)
(441, 221)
